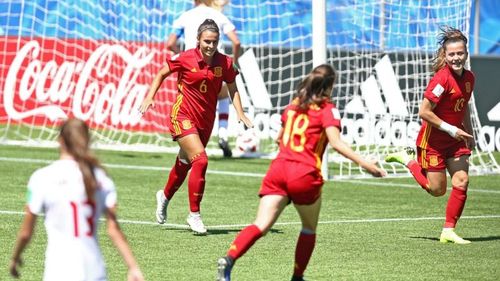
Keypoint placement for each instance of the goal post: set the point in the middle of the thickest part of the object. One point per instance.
(96, 59)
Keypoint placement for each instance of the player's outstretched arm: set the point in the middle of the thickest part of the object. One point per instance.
(155, 85)
(235, 97)
(343, 148)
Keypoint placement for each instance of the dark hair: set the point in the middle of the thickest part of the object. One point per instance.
(76, 138)
(208, 24)
(316, 87)
(447, 35)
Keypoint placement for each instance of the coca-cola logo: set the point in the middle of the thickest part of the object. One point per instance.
(92, 91)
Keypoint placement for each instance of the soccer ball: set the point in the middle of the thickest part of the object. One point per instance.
(247, 141)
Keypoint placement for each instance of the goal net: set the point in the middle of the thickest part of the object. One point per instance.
(96, 59)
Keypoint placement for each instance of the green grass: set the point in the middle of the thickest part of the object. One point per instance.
(351, 245)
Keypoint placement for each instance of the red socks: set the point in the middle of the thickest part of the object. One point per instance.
(303, 252)
(456, 203)
(196, 183)
(243, 241)
(176, 178)
(418, 174)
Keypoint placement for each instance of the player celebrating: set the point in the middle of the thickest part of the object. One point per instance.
(201, 72)
(187, 24)
(445, 140)
(72, 192)
(295, 175)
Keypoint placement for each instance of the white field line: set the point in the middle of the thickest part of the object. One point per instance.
(242, 174)
(225, 226)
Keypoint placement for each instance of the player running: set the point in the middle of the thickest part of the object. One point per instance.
(445, 139)
(295, 175)
(201, 72)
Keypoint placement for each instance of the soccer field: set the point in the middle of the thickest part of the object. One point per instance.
(380, 229)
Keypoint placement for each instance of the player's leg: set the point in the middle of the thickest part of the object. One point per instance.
(176, 177)
(270, 207)
(223, 109)
(458, 168)
(194, 149)
(407, 157)
(309, 215)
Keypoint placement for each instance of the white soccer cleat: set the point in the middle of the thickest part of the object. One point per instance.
(196, 224)
(449, 235)
(161, 207)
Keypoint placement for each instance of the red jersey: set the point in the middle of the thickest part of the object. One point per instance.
(199, 84)
(304, 138)
(451, 94)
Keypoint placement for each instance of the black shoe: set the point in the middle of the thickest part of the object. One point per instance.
(224, 145)
(298, 278)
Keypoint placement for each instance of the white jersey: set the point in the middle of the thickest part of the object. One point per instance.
(190, 20)
(71, 221)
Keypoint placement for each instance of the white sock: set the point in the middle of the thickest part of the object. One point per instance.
(223, 122)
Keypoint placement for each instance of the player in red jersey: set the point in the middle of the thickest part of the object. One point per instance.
(295, 175)
(445, 139)
(201, 72)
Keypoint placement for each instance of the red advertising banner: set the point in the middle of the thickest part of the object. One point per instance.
(43, 80)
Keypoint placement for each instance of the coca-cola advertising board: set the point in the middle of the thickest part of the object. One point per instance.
(45, 80)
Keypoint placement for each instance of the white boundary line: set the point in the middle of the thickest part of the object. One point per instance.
(241, 174)
(224, 226)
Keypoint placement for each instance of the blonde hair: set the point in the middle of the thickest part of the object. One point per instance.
(75, 136)
(447, 35)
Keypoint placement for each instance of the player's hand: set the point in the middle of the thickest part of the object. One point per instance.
(145, 105)
(243, 118)
(462, 135)
(470, 143)
(135, 274)
(13, 267)
(375, 170)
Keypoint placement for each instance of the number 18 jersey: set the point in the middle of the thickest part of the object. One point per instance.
(304, 138)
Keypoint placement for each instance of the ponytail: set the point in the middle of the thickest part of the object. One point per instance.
(76, 138)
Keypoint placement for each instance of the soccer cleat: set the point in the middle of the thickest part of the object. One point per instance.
(161, 207)
(224, 145)
(298, 278)
(401, 157)
(449, 235)
(224, 266)
(196, 224)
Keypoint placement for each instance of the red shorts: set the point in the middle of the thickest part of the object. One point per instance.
(182, 125)
(300, 182)
(431, 159)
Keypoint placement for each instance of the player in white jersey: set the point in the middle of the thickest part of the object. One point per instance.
(73, 192)
(187, 24)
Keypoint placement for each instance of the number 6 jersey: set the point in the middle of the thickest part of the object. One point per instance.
(71, 220)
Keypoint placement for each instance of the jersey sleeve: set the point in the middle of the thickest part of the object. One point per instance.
(227, 25)
(175, 62)
(231, 71)
(108, 186)
(331, 117)
(435, 88)
(35, 197)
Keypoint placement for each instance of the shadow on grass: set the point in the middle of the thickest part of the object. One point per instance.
(235, 230)
(475, 239)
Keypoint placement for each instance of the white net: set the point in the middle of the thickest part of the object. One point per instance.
(96, 59)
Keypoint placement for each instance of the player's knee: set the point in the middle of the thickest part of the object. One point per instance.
(200, 159)
(437, 191)
(460, 179)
